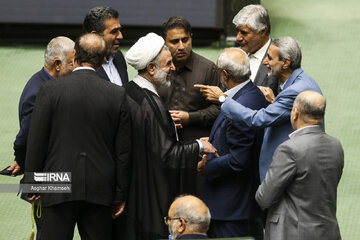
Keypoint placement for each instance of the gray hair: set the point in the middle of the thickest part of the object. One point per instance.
(310, 110)
(239, 72)
(156, 59)
(289, 49)
(197, 222)
(58, 47)
(253, 16)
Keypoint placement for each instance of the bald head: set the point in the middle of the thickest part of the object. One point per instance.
(194, 212)
(310, 106)
(90, 50)
(236, 63)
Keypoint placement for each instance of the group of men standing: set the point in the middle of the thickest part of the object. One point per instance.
(132, 149)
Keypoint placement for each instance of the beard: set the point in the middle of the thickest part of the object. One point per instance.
(161, 78)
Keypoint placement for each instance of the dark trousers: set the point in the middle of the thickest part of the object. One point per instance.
(93, 221)
(241, 228)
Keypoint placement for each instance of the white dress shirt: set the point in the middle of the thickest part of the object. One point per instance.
(111, 71)
(256, 59)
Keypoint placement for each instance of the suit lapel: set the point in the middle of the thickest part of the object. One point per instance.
(261, 74)
(101, 72)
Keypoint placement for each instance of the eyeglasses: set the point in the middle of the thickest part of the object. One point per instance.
(167, 219)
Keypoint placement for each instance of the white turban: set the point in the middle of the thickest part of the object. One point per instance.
(144, 50)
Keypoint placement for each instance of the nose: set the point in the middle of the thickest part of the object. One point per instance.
(239, 36)
(119, 35)
(172, 67)
(181, 45)
(265, 61)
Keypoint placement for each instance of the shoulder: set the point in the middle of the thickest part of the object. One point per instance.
(198, 59)
(119, 55)
(135, 92)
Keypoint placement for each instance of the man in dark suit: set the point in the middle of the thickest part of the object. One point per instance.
(105, 22)
(253, 25)
(80, 125)
(59, 55)
(231, 179)
(188, 218)
(300, 187)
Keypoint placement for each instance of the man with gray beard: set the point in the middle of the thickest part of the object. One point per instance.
(162, 166)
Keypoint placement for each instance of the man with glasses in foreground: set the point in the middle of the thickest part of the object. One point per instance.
(188, 218)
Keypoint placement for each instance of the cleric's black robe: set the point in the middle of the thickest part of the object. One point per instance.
(162, 167)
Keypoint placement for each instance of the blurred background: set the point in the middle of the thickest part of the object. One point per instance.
(328, 31)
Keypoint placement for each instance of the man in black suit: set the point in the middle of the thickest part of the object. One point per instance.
(105, 22)
(80, 125)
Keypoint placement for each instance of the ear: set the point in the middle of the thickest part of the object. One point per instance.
(151, 68)
(296, 114)
(57, 64)
(287, 63)
(181, 225)
(93, 31)
(226, 75)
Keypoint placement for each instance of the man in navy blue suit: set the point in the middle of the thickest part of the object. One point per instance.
(59, 56)
(232, 177)
(105, 22)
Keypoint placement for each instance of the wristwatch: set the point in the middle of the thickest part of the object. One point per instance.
(222, 98)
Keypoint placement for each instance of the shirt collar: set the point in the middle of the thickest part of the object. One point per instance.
(190, 62)
(259, 54)
(291, 135)
(110, 60)
(144, 83)
(51, 77)
(84, 68)
(283, 84)
(231, 92)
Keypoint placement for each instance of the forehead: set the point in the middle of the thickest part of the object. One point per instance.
(273, 51)
(176, 33)
(111, 23)
(244, 29)
(165, 56)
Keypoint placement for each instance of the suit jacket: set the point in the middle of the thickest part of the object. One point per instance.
(120, 64)
(80, 125)
(26, 105)
(262, 78)
(275, 118)
(232, 179)
(300, 187)
(182, 95)
(193, 236)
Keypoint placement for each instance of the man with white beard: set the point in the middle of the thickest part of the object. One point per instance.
(162, 166)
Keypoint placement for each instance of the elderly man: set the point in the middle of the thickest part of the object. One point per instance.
(188, 218)
(80, 125)
(300, 187)
(191, 112)
(59, 55)
(232, 178)
(284, 62)
(105, 22)
(161, 165)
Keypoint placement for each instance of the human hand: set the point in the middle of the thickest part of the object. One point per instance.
(117, 209)
(268, 93)
(204, 139)
(211, 93)
(14, 168)
(180, 118)
(201, 165)
(33, 197)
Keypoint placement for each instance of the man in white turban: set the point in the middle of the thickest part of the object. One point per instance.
(161, 165)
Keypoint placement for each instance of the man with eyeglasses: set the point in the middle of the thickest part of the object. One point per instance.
(188, 218)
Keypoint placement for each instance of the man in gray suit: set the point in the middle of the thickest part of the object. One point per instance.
(300, 186)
